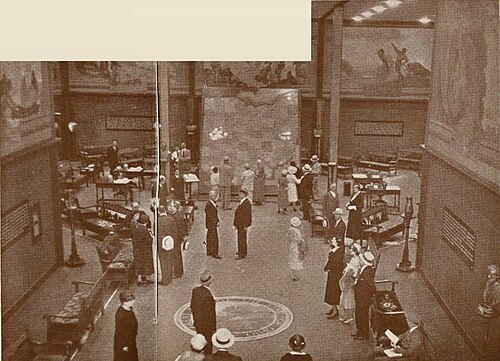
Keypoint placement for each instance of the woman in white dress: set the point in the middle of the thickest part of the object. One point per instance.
(297, 249)
(347, 303)
(293, 181)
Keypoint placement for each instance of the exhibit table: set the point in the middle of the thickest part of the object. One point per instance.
(125, 185)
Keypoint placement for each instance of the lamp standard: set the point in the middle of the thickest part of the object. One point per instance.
(405, 264)
(74, 260)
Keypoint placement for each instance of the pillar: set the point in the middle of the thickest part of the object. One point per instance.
(163, 116)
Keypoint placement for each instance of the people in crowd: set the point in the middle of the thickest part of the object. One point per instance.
(242, 221)
(184, 158)
(112, 156)
(198, 343)
(293, 181)
(334, 268)
(283, 192)
(347, 301)
(167, 232)
(130, 215)
(142, 245)
(260, 180)
(223, 339)
(330, 203)
(212, 224)
(126, 326)
(410, 346)
(297, 250)
(247, 181)
(316, 172)
(163, 193)
(364, 289)
(215, 181)
(355, 208)
(203, 310)
(177, 185)
(181, 234)
(297, 343)
(226, 181)
(306, 191)
(339, 227)
(109, 247)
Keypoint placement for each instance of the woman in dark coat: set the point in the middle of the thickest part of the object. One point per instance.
(125, 346)
(334, 267)
(142, 243)
(355, 207)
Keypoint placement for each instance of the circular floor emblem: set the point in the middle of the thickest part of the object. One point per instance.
(247, 318)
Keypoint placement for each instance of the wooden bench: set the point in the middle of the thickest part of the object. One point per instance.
(379, 161)
(24, 348)
(109, 218)
(379, 226)
(117, 266)
(79, 315)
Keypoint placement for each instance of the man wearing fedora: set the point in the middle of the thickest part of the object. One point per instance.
(316, 172)
(306, 191)
(223, 339)
(364, 289)
(203, 310)
(167, 233)
(225, 182)
(243, 220)
(212, 224)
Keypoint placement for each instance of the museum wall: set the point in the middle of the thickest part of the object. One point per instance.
(31, 228)
(97, 115)
(405, 119)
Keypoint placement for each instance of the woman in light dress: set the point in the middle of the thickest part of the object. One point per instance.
(347, 303)
(297, 249)
(293, 181)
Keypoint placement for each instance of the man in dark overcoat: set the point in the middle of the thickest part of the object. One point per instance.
(334, 269)
(203, 310)
(306, 191)
(355, 221)
(364, 289)
(330, 203)
(212, 224)
(166, 228)
(243, 220)
(112, 156)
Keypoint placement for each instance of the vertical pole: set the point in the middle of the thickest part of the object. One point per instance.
(320, 70)
(163, 116)
(65, 111)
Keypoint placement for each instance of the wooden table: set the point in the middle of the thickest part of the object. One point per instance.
(132, 173)
(381, 192)
(364, 179)
(105, 182)
(189, 180)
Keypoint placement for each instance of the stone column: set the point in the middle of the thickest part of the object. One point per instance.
(162, 105)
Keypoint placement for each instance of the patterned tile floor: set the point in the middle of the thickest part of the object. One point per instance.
(263, 274)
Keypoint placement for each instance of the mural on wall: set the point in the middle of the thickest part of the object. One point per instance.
(386, 61)
(113, 76)
(25, 105)
(464, 111)
(256, 74)
(248, 125)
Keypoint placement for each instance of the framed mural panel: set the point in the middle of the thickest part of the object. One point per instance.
(16, 222)
(394, 129)
(391, 62)
(132, 123)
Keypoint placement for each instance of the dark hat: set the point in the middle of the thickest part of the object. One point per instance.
(126, 296)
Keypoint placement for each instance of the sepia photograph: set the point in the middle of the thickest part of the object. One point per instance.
(342, 208)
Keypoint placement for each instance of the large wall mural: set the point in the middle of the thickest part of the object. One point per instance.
(464, 111)
(113, 76)
(25, 106)
(386, 61)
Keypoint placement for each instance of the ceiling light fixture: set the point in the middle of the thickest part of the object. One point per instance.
(379, 9)
(357, 18)
(424, 20)
(367, 14)
(392, 3)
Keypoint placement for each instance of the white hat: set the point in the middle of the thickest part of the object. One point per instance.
(284, 172)
(223, 338)
(198, 342)
(167, 243)
(306, 168)
(357, 246)
(314, 158)
(368, 257)
(292, 169)
(339, 211)
(295, 221)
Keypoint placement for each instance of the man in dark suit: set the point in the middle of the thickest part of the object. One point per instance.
(177, 184)
(355, 221)
(364, 289)
(330, 203)
(112, 155)
(184, 158)
(243, 220)
(203, 310)
(212, 224)
(306, 191)
(410, 344)
(223, 339)
(167, 233)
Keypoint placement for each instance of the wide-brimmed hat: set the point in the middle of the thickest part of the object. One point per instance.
(368, 257)
(356, 246)
(223, 338)
(284, 172)
(307, 168)
(314, 158)
(295, 221)
(226, 158)
(198, 342)
(292, 169)
(205, 277)
(338, 211)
